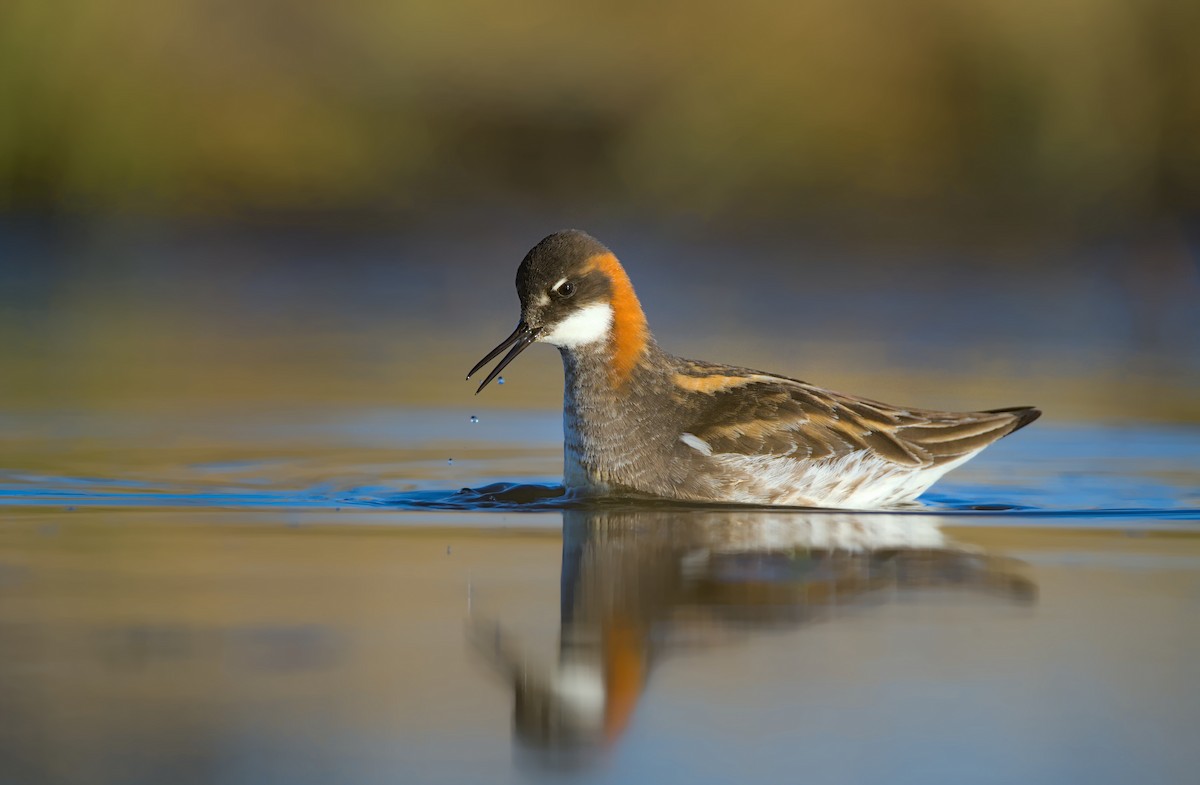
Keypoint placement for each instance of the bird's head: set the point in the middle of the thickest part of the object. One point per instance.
(575, 295)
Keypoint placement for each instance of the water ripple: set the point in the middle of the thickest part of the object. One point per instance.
(1061, 473)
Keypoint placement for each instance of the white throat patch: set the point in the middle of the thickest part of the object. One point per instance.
(589, 324)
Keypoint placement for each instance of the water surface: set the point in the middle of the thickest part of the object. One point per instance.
(259, 647)
(294, 597)
(409, 457)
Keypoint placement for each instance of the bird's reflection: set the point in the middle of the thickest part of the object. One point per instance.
(640, 585)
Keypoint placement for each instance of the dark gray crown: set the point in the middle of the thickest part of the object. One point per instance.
(556, 256)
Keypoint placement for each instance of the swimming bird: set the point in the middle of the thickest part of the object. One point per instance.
(640, 421)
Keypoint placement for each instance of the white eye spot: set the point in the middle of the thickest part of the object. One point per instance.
(561, 281)
(587, 325)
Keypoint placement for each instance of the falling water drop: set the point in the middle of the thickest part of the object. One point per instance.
(500, 380)
(474, 419)
(449, 461)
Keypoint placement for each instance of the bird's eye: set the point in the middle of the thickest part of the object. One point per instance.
(566, 289)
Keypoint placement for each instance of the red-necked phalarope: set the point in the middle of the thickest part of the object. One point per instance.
(637, 419)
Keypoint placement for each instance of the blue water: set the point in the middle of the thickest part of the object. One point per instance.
(511, 460)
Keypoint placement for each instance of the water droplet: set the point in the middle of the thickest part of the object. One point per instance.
(449, 461)
(500, 380)
(474, 419)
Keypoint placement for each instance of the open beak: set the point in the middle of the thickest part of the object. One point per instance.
(521, 337)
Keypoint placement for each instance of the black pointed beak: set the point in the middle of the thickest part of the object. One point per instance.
(521, 338)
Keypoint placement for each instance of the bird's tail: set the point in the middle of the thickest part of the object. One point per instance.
(1024, 415)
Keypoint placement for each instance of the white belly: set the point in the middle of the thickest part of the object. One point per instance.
(856, 481)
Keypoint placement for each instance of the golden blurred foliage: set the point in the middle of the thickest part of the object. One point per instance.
(1082, 106)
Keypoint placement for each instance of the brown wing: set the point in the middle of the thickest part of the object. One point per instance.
(750, 413)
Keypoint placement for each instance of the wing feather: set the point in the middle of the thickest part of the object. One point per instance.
(772, 415)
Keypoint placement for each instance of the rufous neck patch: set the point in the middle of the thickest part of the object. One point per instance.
(630, 335)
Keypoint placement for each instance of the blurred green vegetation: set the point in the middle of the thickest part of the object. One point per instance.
(1069, 107)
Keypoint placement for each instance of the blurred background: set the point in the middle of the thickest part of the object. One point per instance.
(250, 248)
(212, 205)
